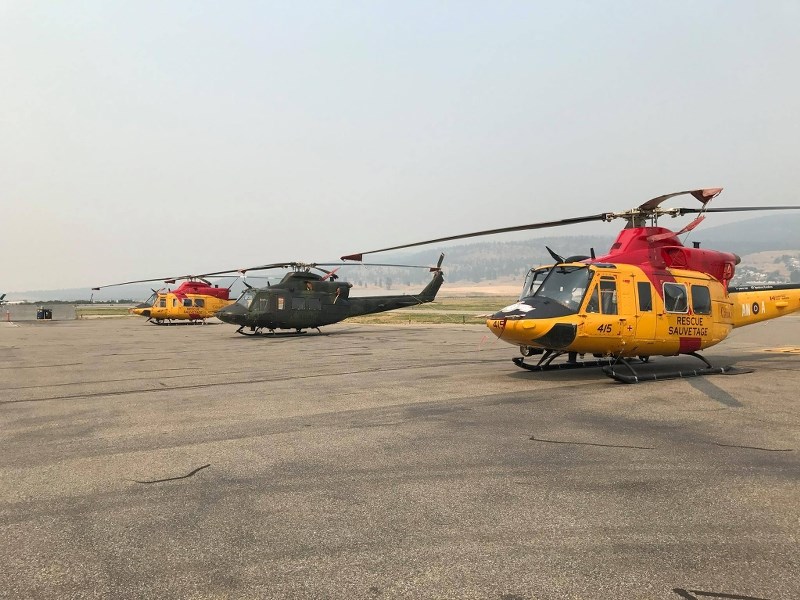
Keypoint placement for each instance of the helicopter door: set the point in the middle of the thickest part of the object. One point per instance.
(602, 312)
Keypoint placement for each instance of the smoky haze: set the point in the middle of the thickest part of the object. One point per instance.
(143, 139)
(494, 262)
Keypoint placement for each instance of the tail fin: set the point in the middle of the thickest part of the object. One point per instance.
(430, 291)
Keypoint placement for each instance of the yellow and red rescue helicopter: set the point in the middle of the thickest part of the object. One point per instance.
(649, 295)
(193, 301)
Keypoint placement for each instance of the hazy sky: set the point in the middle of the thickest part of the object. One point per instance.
(146, 139)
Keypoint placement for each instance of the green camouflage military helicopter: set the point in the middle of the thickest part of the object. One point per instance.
(307, 300)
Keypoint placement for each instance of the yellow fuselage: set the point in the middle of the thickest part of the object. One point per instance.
(624, 312)
(193, 307)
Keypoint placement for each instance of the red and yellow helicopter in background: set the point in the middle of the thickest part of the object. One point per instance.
(194, 300)
(649, 295)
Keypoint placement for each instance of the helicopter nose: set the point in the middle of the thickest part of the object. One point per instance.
(141, 309)
(235, 314)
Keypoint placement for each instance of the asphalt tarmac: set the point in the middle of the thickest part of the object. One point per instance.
(139, 461)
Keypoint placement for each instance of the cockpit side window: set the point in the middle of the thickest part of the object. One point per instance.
(533, 280)
(603, 298)
(593, 305)
(608, 295)
(246, 298)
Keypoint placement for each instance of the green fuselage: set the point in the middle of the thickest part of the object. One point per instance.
(304, 300)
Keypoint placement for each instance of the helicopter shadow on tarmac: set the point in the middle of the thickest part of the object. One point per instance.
(703, 385)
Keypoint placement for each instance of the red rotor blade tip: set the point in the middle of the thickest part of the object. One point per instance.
(707, 195)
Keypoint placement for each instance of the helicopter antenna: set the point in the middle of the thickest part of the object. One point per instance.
(558, 258)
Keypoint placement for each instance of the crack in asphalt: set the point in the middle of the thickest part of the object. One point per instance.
(173, 478)
(755, 448)
(693, 595)
(535, 439)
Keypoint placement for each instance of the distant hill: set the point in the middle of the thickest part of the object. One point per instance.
(774, 232)
(486, 261)
(498, 260)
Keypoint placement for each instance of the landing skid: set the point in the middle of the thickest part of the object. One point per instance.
(611, 367)
(634, 377)
(546, 362)
(254, 331)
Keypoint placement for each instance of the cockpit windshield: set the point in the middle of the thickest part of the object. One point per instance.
(151, 300)
(246, 298)
(565, 285)
(533, 280)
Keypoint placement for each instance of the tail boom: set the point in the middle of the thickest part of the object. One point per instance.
(368, 305)
(756, 303)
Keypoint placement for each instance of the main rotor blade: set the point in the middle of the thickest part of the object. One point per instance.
(686, 211)
(258, 268)
(363, 264)
(200, 277)
(542, 225)
(282, 265)
(164, 279)
(705, 196)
